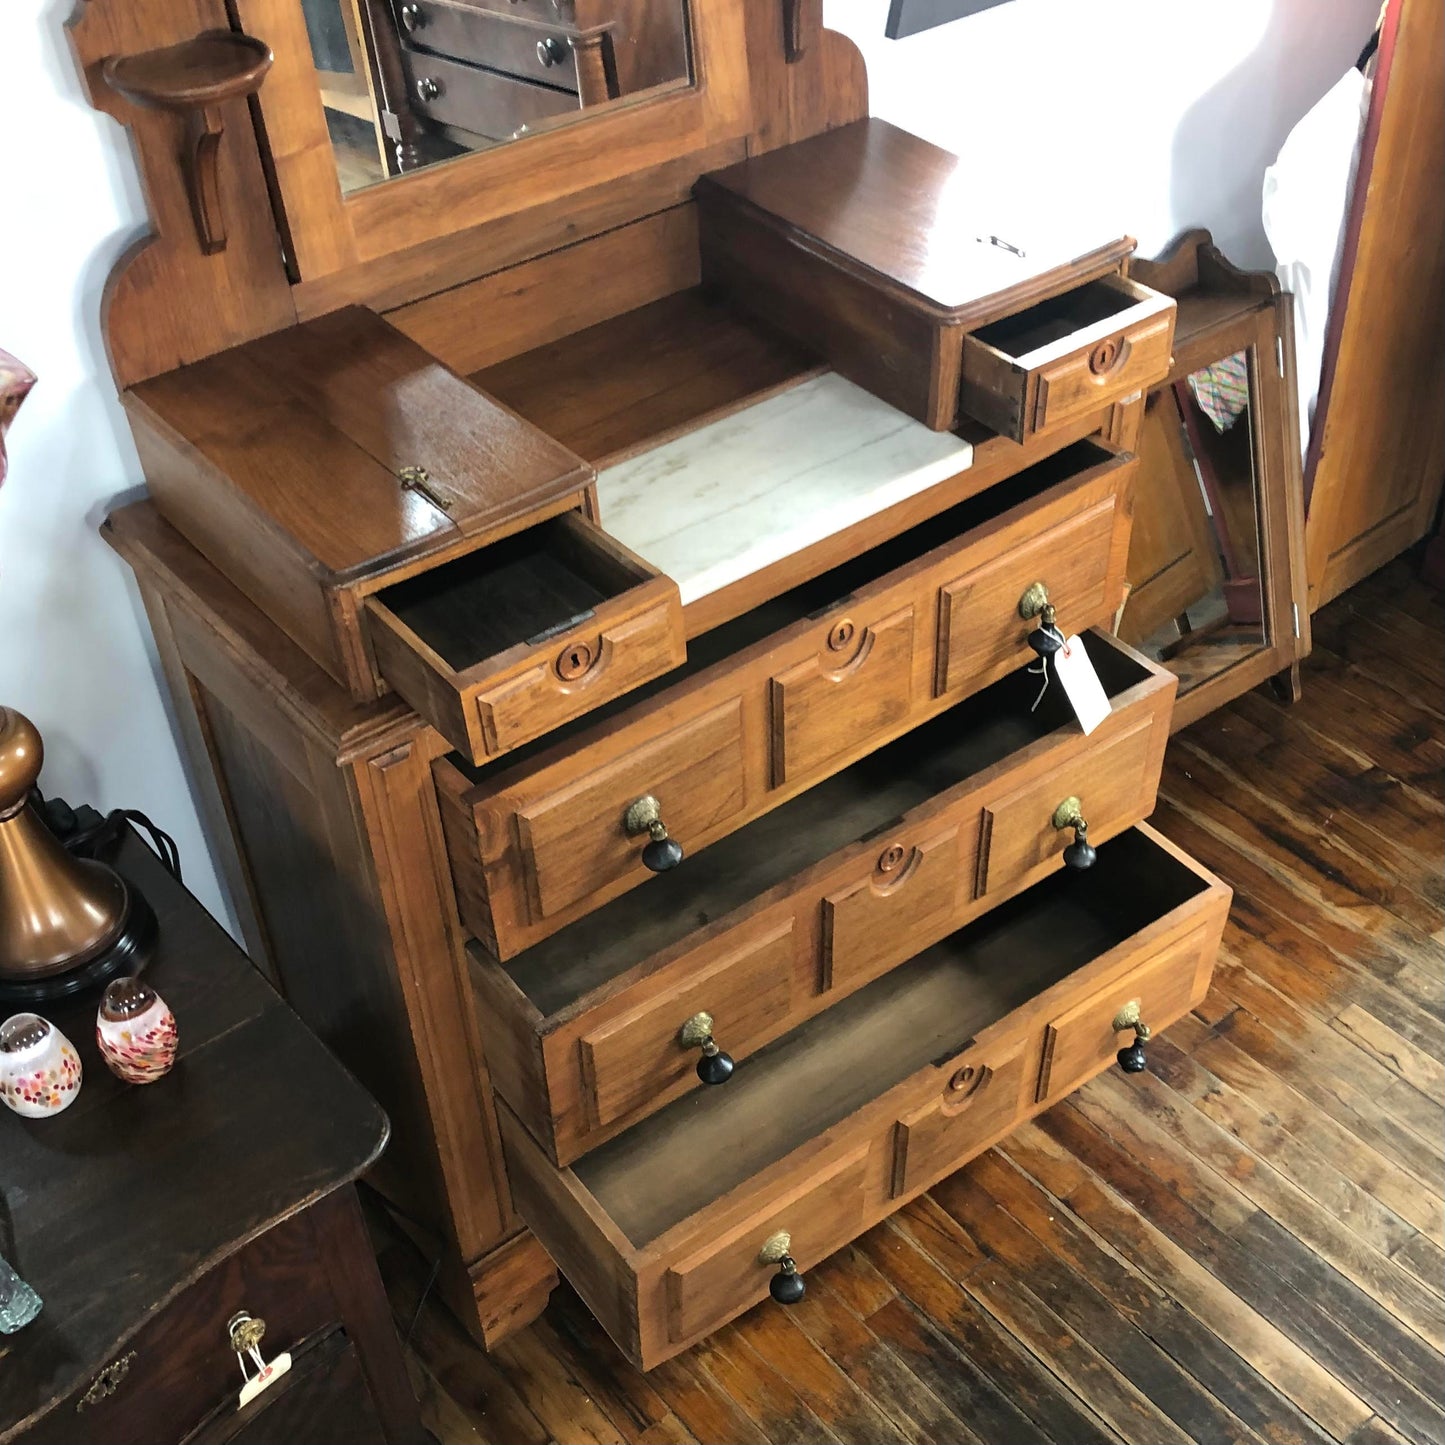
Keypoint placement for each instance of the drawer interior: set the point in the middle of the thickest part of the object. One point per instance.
(1059, 317)
(648, 1179)
(865, 798)
(516, 593)
(819, 595)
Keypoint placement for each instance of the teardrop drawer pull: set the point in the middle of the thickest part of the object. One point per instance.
(1080, 853)
(787, 1286)
(714, 1067)
(1132, 1058)
(1045, 639)
(644, 815)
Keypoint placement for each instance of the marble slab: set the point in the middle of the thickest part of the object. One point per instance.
(741, 493)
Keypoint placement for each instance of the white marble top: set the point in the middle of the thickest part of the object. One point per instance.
(741, 493)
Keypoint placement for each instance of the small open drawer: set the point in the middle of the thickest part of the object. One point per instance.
(586, 1031)
(831, 1127)
(1067, 356)
(505, 643)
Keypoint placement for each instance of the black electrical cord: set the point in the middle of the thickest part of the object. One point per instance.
(88, 832)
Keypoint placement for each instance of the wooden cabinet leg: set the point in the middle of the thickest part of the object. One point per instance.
(1285, 685)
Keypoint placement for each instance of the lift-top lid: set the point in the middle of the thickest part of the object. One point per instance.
(903, 214)
(322, 427)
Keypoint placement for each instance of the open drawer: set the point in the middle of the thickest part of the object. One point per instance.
(587, 1031)
(776, 700)
(507, 642)
(663, 1231)
(1067, 356)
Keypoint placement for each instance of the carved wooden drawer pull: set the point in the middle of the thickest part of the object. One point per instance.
(714, 1067)
(106, 1383)
(787, 1285)
(644, 815)
(1132, 1058)
(1080, 853)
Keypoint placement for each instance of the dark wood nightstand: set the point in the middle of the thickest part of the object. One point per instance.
(147, 1217)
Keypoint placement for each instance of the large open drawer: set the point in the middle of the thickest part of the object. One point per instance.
(584, 1030)
(834, 1125)
(776, 700)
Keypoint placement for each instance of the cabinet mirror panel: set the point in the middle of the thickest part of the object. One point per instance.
(413, 83)
(1196, 599)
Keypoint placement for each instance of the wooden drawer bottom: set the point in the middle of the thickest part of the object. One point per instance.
(832, 1126)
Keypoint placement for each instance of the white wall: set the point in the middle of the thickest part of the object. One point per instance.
(1142, 116)
(1137, 115)
(75, 653)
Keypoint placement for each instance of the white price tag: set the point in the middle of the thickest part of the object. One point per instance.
(1081, 684)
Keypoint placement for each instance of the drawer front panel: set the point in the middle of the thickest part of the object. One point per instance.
(982, 634)
(484, 102)
(500, 42)
(981, 1099)
(574, 842)
(746, 988)
(1114, 782)
(727, 1275)
(860, 685)
(1088, 379)
(1082, 1040)
(905, 901)
(584, 669)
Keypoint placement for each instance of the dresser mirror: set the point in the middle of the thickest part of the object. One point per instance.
(1196, 602)
(407, 84)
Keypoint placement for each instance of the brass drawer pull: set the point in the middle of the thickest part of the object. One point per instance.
(106, 1383)
(1045, 639)
(714, 1067)
(1132, 1058)
(644, 815)
(787, 1285)
(1080, 853)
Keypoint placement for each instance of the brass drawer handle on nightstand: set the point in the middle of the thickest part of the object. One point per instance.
(714, 1067)
(1080, 853)
(787, 1285)
(644, 815)
(1045, 639)
(106, 1383)
(1132, 1058)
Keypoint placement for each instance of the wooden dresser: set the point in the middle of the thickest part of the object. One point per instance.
(598, 612)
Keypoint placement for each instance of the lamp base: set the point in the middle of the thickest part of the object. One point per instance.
(128, 953)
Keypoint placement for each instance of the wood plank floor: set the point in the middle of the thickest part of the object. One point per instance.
(1247, 1243)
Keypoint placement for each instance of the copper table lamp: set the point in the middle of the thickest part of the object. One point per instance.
(66, 923)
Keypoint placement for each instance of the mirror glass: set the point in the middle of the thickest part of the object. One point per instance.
(407, 85)
(1196, 599)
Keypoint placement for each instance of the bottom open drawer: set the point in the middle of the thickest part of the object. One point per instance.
(834, 1125)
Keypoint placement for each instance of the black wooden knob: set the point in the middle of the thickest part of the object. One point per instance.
(1080, 853)
(1133, 1059)
(1046, 639)
(551, 51)
(787, 1285)
(715, 1067)
(413, 18)
(661, 852)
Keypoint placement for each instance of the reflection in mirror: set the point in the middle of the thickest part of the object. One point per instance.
(1196, 601)
(406, 85)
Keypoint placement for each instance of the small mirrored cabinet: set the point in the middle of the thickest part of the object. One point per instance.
(1216, 558)
(604, 556)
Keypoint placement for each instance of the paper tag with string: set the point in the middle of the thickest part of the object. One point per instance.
(1075, 670)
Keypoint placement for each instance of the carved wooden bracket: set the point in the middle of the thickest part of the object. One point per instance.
(795, 29)
(193, 79)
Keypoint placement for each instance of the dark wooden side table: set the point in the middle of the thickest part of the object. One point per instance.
(147, 1217)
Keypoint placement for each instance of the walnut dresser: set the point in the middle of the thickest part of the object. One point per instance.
(598, 579)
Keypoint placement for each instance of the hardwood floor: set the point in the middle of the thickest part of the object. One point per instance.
(1246, 1243)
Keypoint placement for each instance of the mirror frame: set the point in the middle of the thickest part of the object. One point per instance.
(331, 232)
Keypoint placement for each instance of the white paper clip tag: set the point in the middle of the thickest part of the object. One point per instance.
(1081, 684)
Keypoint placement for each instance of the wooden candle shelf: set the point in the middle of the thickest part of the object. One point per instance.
(194, 79)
